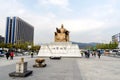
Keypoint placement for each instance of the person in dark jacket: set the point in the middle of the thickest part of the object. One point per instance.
(32, 54)
(7, 55)
(99, 54)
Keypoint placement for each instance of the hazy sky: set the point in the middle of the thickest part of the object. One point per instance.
(87, 20)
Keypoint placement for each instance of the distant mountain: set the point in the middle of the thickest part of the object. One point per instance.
(85, 45)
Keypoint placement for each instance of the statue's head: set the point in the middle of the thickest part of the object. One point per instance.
(62, 29)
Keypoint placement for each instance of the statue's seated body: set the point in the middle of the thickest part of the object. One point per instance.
(62, 35)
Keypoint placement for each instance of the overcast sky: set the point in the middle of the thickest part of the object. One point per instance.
(87, 20)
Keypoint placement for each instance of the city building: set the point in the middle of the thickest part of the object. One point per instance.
(116, 38)
(18, 31)
(1, 39)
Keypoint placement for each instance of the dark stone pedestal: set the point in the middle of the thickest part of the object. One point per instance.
(25, 74)
(38, 66)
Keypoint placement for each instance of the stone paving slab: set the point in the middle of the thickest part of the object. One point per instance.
(64, 69)
(106, 68)
(5, 62)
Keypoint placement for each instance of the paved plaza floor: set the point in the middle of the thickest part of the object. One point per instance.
(106, 68)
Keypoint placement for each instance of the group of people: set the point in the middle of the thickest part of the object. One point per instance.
(87, 53)
(9, 54)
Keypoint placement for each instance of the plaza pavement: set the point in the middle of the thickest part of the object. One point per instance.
(106, 68)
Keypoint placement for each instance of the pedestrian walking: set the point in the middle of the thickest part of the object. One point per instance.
(7, 55)
(11, 55)
(88, 53)
(82, 54)
(31, 54)
(94, 53)
(99, 54)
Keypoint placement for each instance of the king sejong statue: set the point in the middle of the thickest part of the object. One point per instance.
(61, 47)
(62, 35)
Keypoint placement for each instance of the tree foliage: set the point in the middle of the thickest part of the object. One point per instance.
(2, 45)
(111, 45)
(23, 46)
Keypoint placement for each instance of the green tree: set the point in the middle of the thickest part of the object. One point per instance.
(111, 45)
(115, 45)
(2, 45)
(9, 45)
(35, 48)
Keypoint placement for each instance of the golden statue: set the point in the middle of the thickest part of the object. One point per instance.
(62, 35)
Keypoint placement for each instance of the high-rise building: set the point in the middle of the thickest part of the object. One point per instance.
(1, 39)
(116, 38)
(18, 31)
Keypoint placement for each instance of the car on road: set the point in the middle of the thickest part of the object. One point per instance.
(118, 53)
(2, 55)
(55, 57)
